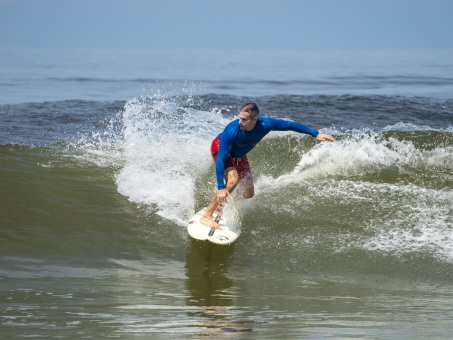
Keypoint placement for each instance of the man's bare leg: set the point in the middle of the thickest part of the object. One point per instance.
(247, 188)
(232, 180)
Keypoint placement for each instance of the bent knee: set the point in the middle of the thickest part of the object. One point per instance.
(248, 193)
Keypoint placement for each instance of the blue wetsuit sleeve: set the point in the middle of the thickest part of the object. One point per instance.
(222, 156)
(287, 125)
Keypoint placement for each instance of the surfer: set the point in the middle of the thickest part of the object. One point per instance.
(229, 151)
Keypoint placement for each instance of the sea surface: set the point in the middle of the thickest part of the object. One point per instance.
(104, 157)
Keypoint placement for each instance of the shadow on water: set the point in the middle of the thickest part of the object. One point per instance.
(209, 287)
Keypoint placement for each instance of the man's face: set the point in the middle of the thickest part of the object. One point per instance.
(246, 122)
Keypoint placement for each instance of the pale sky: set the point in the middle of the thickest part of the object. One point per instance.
(227, 24)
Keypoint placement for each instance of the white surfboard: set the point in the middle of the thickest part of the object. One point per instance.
(202, 232)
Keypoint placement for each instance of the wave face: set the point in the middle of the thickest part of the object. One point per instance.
(379, 190)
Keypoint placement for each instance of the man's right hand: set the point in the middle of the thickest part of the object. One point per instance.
(222, 195)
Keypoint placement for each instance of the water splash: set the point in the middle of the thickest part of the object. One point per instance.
(166, 148)
(394, 154)
(392, 187)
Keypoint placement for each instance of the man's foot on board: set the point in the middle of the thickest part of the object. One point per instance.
(209, 221)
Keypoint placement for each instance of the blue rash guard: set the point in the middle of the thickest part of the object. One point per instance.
(239, 142)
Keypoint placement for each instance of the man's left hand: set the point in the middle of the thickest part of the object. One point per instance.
(324, 136)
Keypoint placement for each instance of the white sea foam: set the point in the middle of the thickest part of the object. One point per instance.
(420, 222)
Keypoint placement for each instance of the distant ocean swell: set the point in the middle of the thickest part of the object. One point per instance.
(368, 81)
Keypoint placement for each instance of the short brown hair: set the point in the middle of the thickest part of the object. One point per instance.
(251, 108)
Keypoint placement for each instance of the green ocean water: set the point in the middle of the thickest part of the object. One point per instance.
(335, 242)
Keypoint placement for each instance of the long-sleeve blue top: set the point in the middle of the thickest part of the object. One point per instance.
(239, 142)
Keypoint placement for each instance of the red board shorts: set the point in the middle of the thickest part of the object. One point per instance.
(240, 164)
